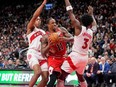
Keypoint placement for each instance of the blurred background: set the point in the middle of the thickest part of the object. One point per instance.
(15, 14)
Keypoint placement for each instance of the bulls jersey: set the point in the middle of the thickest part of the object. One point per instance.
(34, 38)
(83, 41)
(59, 48)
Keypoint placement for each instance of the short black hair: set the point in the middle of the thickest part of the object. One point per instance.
(86, 20)
(47, 21)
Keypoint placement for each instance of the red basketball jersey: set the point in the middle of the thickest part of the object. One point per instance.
(59, 48)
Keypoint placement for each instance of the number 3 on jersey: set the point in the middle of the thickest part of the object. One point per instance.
(85, 43)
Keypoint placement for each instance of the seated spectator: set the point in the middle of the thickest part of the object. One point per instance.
(10, 64)
(91, 73)
(112, 74)
(103, 71)
(1, 63)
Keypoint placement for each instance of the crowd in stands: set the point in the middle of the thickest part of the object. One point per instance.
(101, 73)
(15, 16)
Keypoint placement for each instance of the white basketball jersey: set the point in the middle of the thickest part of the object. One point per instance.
(83, 41)
(34, 38)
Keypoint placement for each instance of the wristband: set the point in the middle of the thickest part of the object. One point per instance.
(69, 8)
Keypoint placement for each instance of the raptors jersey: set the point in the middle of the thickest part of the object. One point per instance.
(34, 39)
(83, 41)
(59, 48)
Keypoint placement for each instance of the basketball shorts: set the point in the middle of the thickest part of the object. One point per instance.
(55, 63)
(35, 57)
(79, 61)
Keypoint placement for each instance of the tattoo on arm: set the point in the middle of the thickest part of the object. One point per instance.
(66, 33)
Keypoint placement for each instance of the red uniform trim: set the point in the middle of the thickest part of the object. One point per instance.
(71, 63)
(35, 35)
(42, 62)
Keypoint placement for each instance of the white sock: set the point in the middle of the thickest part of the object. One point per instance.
(60, 83)
(83, 84)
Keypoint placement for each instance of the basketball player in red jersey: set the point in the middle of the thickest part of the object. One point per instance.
(82, 40)
(55, 52)
(34, 57)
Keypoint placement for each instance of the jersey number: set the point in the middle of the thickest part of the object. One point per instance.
(59, 46)
(85, 43)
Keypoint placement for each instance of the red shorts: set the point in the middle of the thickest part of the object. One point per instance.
(55, 63)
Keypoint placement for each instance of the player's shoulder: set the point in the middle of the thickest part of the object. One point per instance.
(83, 27)
(42, 31)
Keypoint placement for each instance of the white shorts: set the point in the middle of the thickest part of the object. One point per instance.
(79, 60)
(35, 57)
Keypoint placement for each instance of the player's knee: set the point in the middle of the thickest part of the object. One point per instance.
(63, 75)
(37, 70)
(45, 77)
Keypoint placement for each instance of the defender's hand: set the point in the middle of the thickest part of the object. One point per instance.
(90, 10)
(44, 2)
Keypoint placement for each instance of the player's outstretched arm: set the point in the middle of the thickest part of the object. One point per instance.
(90, 12)
(36, 14)
(67, 36)
(74, 21)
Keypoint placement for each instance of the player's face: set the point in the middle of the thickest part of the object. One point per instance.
(52, 24)
(38, 22)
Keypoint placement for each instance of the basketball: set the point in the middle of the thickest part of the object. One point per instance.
(54, 37)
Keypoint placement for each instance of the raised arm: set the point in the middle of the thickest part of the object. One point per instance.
(74, 21)
(36, 14)
(90, 12)
(68, 36)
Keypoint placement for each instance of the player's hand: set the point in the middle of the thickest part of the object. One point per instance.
(44, 2)
(90, 10)
(50, 42)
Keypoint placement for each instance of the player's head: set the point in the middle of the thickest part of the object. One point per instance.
(86, 20)
(38, 22)
(51, 23)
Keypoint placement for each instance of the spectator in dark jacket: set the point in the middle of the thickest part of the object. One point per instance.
(91, 73)
(112, 74)
(10, 64)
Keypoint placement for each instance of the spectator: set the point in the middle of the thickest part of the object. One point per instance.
(112, 73)
(103, 71)
(91, 73)
(1, 62)
(10, 64)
